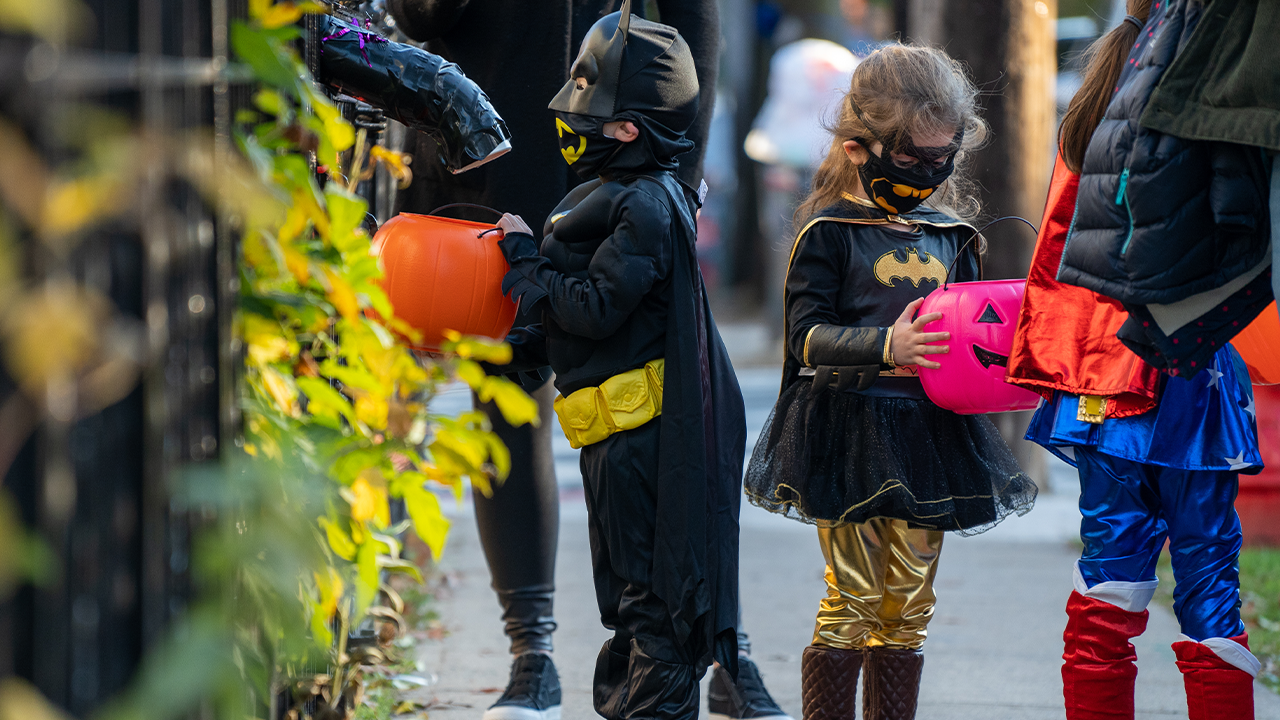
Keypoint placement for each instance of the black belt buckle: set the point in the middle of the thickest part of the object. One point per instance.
(845, 377)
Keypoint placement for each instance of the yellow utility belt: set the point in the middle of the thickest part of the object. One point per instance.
(623, 402)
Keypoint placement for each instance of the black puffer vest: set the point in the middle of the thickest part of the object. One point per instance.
(1159, 218)
(1178, 230)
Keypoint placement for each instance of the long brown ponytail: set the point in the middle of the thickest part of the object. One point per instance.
(1103, 62)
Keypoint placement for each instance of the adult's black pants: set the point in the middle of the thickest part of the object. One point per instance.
(520, 526)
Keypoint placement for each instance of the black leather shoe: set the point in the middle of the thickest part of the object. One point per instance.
(746, 699)
(533, 693)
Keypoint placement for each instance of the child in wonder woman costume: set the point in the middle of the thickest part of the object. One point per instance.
(853, 444)
(1158, 456)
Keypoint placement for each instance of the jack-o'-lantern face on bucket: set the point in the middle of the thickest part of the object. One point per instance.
(985, 356)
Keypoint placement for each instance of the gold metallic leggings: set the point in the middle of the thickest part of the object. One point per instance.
(879, 585)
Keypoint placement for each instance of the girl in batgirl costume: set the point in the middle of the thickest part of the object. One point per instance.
(853, 445)
(1158, 456)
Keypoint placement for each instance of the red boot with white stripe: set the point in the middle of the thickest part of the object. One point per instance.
(1218, 674)
(1098, 669)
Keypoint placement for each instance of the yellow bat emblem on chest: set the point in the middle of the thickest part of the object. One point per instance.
(917, 268)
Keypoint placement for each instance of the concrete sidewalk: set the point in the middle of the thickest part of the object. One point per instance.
(994, 649)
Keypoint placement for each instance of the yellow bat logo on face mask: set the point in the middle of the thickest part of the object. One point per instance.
(917, 268)
(570, 154)
(903, 191)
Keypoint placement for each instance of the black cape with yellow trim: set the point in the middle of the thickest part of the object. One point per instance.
(855, 211)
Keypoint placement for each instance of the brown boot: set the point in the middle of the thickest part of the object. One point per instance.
(891, 685)
(829, 683)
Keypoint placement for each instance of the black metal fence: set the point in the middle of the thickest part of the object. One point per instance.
(97, 487)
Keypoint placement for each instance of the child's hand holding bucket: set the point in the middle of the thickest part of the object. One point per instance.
(910, 343)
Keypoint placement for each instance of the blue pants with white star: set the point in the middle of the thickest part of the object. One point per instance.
(1131, 508)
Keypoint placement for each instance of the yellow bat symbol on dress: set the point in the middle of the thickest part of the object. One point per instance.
(917, 268)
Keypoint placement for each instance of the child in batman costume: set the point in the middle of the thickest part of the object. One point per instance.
(646, 387)
(853, 444)
(1158, 456)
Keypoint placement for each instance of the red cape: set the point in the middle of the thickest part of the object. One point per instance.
(1066, 338)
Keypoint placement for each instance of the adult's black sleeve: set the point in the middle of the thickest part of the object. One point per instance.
(424, 20)
(698, 22)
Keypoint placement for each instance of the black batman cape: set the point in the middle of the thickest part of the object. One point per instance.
(702, 444)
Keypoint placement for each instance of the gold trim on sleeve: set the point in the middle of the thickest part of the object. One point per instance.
(806, 345)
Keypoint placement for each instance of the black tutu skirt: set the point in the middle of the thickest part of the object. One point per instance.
(829, 459)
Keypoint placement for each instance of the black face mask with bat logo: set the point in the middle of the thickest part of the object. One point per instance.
(899, 190)
(584, 144)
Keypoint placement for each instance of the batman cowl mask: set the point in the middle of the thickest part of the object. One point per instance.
(628, 69)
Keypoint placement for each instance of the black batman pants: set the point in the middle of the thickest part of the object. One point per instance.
(642, 671)
(520, 526)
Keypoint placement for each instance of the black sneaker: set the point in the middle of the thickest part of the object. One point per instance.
(745, 699)
(533, 693)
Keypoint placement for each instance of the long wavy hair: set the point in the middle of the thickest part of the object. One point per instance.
(1103, 61)
(903, 90)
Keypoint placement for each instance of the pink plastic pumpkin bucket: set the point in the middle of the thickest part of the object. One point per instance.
(981, 317)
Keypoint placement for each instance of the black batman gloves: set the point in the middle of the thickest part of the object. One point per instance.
(519, 284)
(851, 356)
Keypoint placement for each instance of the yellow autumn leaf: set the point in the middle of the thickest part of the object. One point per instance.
(54, 21)
(372, 410)
(428, 522)
(341, 295)
(282, 391)
(52, 332)
(330, 586)
(19, 700)
(368, 502)
(366, 578)
(339, 542)
(306, 200)
(279, 15)
(514, 403)
(477, 348)
(339, 131)
(73, 204)
(258, 255)
(295, 223)
(299, 265)
(396, 163)
(267, 341)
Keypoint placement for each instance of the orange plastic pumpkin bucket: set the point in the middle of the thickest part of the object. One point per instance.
(444, 274)
(1259, 346)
